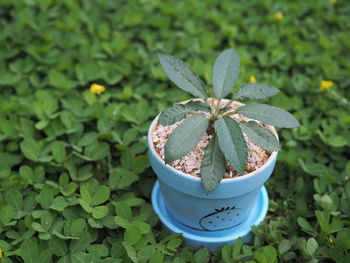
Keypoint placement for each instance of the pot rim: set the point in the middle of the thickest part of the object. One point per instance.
(154, 123)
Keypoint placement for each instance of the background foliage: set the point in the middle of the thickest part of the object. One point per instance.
(75, 180)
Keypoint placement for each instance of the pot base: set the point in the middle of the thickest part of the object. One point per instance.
(213, 240)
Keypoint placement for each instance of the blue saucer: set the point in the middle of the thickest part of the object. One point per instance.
(213, 240)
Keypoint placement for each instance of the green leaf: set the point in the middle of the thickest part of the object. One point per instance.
(323, 219)
(59, 204)
(185, 137)
(237, 247)
(99, 212)
(182, 75)
(58, 246)
(69, 189)
(158, 257)
(225, 72)
(343, 239)
(130, 251)
(85, 194)
(6, 214)
(30, 149)
(45, 256)
(77, 226)
(270, 254)
(232, 143)
(260, 136)
(145, 253)
(123, 210)
(85, 205)
(45, 198)
(198, 106)
(26, 174)
(78, 257)
(14, 199)
(101, 195)
(173, 114)
(202, 256)
(29, 251)
(59, 80)
(82, 243)
(269, 114)
(97, 151)
(213, 165)
(311, 246)
(284, 246)
(226, 252)
(37, 227)
(255, 91)
(58, 149)
(132, 235)
(306, 226)
(121, 178)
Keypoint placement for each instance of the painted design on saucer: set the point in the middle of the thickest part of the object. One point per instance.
(220, 219)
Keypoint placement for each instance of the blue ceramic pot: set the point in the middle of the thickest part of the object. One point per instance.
(187, 202)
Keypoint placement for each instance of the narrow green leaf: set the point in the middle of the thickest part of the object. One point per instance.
(260, 135)
(185, 137)
(173, 114)
(269, 114)
(197, 106)
(225, 72)
(182, 75)
(213, 165)
(232, 143)
(255, 91)
(177, 112)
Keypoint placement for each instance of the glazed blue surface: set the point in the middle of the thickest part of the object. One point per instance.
(213, 240)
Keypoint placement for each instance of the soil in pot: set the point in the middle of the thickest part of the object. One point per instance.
(191, 163)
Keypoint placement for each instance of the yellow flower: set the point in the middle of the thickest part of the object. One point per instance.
(97, 89)
(1, 254)
(326, 84)
(252, 79)
(332, 1)
(278, 16)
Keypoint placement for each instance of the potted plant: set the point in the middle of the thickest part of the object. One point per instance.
(224, 189)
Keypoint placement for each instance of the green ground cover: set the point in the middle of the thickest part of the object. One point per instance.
(75, 179)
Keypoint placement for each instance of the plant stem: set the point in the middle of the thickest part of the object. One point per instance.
(217, 110)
